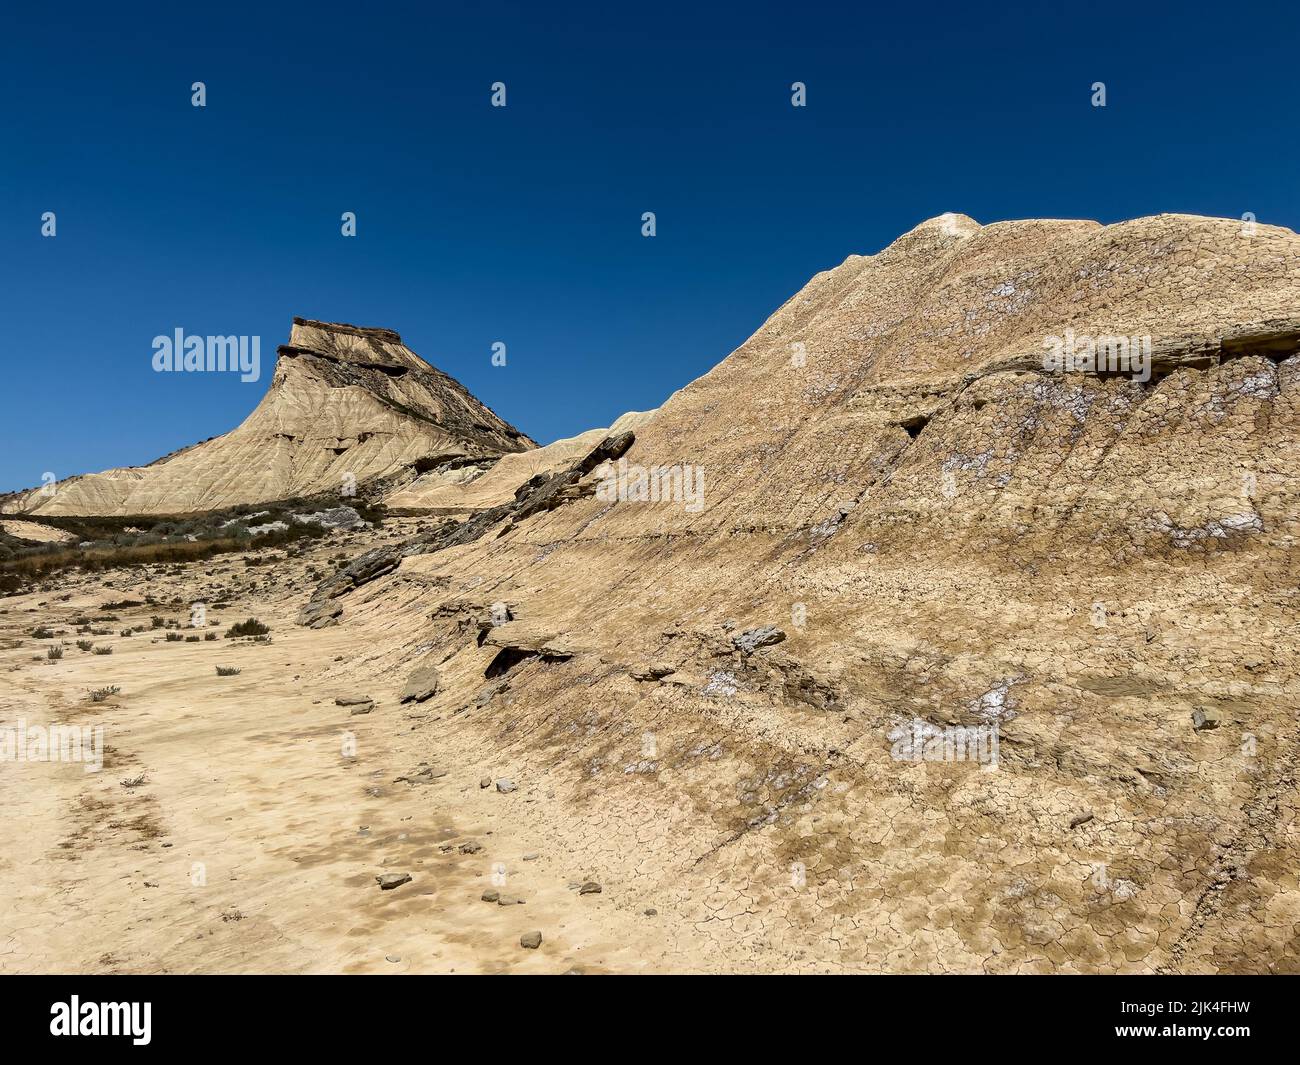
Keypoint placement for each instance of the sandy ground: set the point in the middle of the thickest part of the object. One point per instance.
(254, 842)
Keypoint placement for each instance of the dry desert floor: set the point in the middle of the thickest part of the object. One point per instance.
(254, 842)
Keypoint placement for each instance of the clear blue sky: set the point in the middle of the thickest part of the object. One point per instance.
(522, 224)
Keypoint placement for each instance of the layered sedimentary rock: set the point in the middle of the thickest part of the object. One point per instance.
(948, 533)
(346, 405)
(463, 489)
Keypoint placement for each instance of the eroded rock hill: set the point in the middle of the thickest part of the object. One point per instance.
(346, 405)
(943, 530)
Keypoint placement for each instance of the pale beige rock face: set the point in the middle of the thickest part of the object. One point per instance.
(345, 404)
(1079, 558)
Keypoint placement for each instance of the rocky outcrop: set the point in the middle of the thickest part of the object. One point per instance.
(542, 493)
(456, 489)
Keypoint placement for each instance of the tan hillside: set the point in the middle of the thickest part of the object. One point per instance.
(943, 531)
(346, 404)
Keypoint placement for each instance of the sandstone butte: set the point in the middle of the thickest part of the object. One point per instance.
(944, 531)
(346, 405)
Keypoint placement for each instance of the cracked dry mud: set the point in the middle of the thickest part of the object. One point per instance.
(942, 529)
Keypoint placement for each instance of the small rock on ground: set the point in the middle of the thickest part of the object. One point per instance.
(1203, 719)
(751, 640)
(653, 671)
(421, 684)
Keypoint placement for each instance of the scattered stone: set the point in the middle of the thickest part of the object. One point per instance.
(589, 888)
(751, 640)
(509, 900)
(650, 911)
(421, 684)
(531, 940)
(485, 782)
(352, 700)
(427, 775)
(388, 881)
(472, 846)
(505, 786)
(652, 672)
(1082, 819)
(491, 895)
(531, 856)
(1203, 719)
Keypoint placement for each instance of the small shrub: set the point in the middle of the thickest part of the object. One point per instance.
(54, 653)
(227, 671)
(85, 645)
(102, 651)
(174, 637)
(42, 633)
(251, 627)
(98, 695)
(191, 639)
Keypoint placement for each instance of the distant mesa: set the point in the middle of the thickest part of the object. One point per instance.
(347, 406)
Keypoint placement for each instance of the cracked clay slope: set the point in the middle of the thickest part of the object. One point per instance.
(944, 531)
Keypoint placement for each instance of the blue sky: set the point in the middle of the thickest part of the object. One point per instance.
(523, 224)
